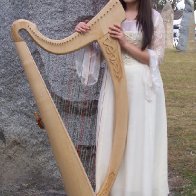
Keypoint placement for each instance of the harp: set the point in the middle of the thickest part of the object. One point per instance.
(66, 156)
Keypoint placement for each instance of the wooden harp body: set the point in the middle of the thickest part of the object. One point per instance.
(75, 180)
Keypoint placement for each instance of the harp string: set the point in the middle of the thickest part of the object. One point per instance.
(79, 117)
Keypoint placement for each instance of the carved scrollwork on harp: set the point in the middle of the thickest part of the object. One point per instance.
(113, 57)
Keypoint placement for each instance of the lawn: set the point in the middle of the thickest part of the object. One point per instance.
(179, 77)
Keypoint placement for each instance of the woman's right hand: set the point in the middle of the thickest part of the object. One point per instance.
(82, 27)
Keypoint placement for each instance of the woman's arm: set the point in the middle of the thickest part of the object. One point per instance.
(134, 51)
(152, 56)
(140, 55)
(158, 41)
(87, 59)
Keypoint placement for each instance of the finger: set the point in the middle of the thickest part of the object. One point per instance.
(81, 30)
(115, 36)
(115, 29)
(77, 29)
(113, 32)
(118, 26)
(85, 26)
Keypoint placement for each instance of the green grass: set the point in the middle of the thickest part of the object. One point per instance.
(179, 77)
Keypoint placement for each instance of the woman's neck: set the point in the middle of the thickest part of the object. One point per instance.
(131, 10)
(132, 6)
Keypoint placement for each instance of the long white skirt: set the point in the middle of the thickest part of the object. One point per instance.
(144, 169)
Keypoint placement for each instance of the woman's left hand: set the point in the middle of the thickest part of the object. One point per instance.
(117, 33)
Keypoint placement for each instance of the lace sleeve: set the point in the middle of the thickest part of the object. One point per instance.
(87, 62)
(156, 52)
(158, 42)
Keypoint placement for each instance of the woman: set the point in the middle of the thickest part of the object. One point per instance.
(144, 168)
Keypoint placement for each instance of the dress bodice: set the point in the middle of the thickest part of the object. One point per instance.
(133, 35)
(131, 31)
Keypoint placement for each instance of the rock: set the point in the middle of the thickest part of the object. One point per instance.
(26, 156)
(187, 35)
(168, 17)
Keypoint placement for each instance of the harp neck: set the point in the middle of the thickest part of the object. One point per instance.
(99, 27)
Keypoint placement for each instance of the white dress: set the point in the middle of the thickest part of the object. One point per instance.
(144, 169)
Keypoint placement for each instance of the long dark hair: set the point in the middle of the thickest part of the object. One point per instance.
(144, 21)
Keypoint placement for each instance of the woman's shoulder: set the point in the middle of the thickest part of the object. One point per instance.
(156, 16)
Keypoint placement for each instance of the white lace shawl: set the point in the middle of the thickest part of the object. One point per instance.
(88, 59)
(156, 52)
